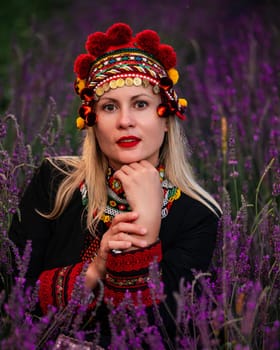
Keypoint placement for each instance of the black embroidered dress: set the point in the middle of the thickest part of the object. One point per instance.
(61, 247)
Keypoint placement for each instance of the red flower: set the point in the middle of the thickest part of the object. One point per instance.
(165, 83)
(82, 65)
(97, 43)
(167, 56)
(163, 110)
(86, 94)
(84, 110)
(148, 40)
(90, 118)
(119, 34)
(172, 106)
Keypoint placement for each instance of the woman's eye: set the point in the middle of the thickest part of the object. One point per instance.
(109, 107)
(141, 104)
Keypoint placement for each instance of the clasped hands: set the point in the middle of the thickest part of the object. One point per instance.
(140, 227)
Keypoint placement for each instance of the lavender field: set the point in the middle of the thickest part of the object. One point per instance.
(229, 65)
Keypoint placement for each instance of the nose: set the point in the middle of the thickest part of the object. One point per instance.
(125, 118)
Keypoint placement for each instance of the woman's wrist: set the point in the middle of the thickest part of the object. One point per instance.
(96, 271)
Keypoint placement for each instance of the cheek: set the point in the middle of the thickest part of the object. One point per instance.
(102, 126)
(157, 133)
(102, 134)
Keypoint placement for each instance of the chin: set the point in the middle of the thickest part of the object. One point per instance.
(128, 160)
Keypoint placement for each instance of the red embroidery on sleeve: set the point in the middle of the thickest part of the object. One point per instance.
(71, 279)
(134, 260)
(56, 286)
(130, 271)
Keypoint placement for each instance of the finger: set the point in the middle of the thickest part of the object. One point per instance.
(124, 236)
(120, 175)
(125, 170)
(127, 243)
(119, 245)
(125, 217)
(143, 166)
(129, 228)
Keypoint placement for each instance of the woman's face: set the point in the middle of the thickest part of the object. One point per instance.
(128, 128)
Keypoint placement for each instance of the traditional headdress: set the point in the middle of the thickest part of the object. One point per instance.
(115, 59)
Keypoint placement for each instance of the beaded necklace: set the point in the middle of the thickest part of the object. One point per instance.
(117, 202)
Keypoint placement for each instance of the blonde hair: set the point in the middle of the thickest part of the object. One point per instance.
(92, 166)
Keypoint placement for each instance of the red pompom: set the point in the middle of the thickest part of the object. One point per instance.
(163, 110)
(82, 65)
(148, 40)
(84, 110)
(167, 56)
(90, 118)
(86, 94)
(97, 43)
(173, 106)
(165, 83)
(119, 34)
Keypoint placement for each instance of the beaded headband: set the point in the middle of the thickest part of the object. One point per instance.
(116, 59)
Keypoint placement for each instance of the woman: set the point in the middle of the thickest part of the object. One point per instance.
(131, 197)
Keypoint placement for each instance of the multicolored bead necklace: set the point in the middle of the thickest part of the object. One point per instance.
(117, 202)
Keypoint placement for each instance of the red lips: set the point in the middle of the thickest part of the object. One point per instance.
(128, 141)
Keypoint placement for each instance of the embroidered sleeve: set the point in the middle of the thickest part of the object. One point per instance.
(130, 271)
(56, 286)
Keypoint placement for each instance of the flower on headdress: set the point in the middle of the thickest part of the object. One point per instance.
(97, 43)
(165, 83)
(79, 85)
(173, 106)
(86, 94)
(148, 40)
(168, 108)
(167, 56)
(91, 118)
(119, 34)
(83, 110)
(80, 123)
(173, 75)
(87, 113)
(163, 110)
(183, 102)
(82, 65)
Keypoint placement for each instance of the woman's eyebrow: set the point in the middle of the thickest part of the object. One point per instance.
(110, 99)
(143, 95)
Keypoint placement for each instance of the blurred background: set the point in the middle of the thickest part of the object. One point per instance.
(228, 59)
(56, 30)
